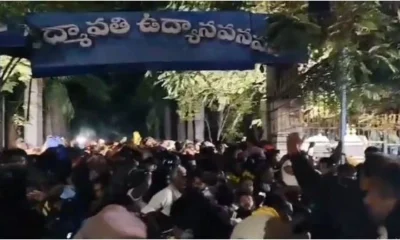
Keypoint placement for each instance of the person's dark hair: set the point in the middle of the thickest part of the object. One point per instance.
(103, 179)
(207, 151)
(242, 146)
(225, 195)
(196, 174)
(13, 180)
(346, 170)
(19, 220)
(373, 162)
(168, 159)
(75, 152)
(327, 160)
(242, 193)
(128, 154)
(277, 202)
(11, 156)
(265, 142)
(178, 146)
(371, 149)
(207, 220)
(252, 140)
(389, 177)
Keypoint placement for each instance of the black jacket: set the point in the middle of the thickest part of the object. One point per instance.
(19, 221)
(392, 224)
(338, 203)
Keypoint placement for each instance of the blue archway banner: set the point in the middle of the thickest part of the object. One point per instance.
(14, 39)
(80, 43)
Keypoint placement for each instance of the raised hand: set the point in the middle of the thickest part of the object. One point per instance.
(337, 153)
(293, 143)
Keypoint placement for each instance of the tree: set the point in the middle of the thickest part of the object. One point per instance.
(61, 107)
(368, 34)
(14, 71)
(63, 91)
(232, 94)
(15, 75)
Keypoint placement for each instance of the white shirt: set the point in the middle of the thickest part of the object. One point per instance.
(163, 201)
(288, 179)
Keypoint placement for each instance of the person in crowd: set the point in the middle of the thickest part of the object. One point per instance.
(371, 149)
(158, 208)
(326, 165)
(246, 205)
(271, 221)
(382, 197)
(163, 200)
(340, 205)
(195, 216)
(18, 219)
(196, 190)
(99, 187)
(198, 183)
(246, 185)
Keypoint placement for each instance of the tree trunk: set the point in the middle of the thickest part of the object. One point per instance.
(263, 113)
(199, 125)
(59, 122)
(34, 98)
(220, 125)
(167, 121)
(190, 132)
(12, 135)
(56, 123)
(48, 123)
(181, 130)
(209, 132)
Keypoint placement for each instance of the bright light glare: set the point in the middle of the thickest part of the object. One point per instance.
(81, 140)
(102, 141)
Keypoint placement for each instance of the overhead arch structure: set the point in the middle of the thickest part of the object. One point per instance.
(60, 44)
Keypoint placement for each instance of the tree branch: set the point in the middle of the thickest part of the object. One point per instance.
(224, 119)
(208, 127)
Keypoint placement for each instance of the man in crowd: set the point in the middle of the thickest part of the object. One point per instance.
(158, 209)
(345, 215)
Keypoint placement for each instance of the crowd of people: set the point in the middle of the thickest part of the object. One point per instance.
(170, 189)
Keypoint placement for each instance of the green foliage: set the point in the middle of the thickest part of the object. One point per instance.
(368, 34)
(153, 95)
(231, 93)
(14, 72)
(94, 86)
(214, 89)
(57, 95)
